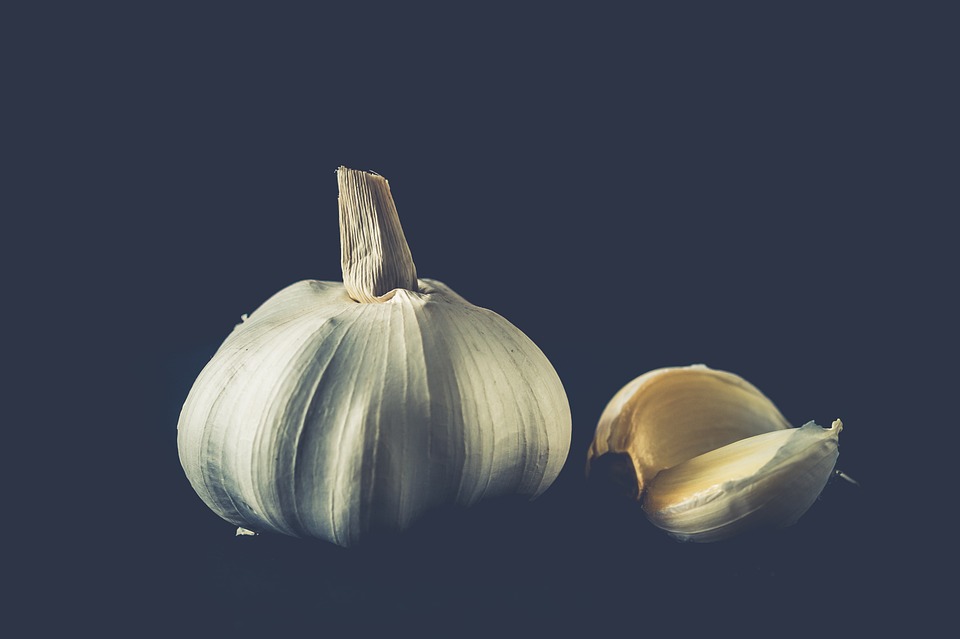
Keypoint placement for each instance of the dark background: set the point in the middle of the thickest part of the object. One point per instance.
(764, 191)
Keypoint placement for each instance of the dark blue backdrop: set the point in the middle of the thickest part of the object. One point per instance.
(757, 190)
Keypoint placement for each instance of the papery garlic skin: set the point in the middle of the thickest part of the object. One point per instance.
(768, 480)
(324, 416)
(668, 415)
(708, 455)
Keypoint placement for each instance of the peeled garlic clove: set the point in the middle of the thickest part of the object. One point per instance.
(709, 455)
(767, 480)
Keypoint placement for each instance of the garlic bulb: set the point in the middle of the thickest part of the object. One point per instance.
(709, 455)
(336, 409)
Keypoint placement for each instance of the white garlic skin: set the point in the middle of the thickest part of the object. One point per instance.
(320, 416)
(708, 455)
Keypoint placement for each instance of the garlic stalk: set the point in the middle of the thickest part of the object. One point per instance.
(336, 409)
(708, 455)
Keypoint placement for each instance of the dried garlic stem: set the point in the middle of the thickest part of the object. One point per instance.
(373, 250)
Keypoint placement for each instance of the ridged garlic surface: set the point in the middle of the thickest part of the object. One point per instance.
(338, 409)
(708, 455)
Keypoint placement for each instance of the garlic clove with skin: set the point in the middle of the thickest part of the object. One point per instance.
(764, 480)
(708, 455)
(668, 415)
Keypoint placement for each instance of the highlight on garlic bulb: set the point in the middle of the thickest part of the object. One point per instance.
(336, 409)
(708, 455)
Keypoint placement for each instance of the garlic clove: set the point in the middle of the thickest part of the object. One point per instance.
(765, 481)
(708, 455)
(669, 415)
